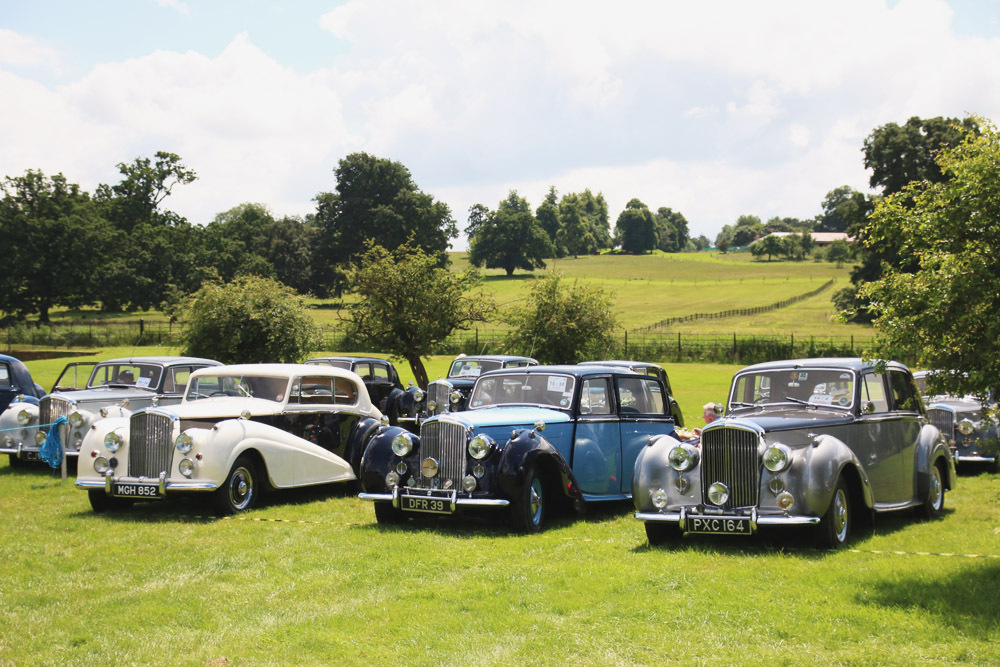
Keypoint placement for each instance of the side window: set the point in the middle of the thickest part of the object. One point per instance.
(344, 391)
(364, 370)
(641, 395)
(5, 382)
(314, 390)
(176, 380)
(595, 397)
(903, 395)
(873, 391)
(380, 373)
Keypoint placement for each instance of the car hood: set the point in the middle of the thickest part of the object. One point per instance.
(785, 420)
(103, 395)
(461, 383)
(957, 405)
(224, 407)
(506, 416)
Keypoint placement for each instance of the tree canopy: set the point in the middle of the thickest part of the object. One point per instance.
(635, 230)
(509, 238)
(942, 315)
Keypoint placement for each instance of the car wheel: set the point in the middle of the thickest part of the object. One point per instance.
(386, 513)
(239, 492)
(835, 526)
(934, 502)
(660, 533)
(102, 502)
(528, 509)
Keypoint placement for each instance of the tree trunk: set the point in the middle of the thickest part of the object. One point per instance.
(510, 272)
(43, 314)
(419, 372)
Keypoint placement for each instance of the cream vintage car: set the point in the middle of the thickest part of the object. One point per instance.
(238, 431)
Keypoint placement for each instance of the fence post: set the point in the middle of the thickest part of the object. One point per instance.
(678, 346)
(64, 438)
(626, 343)
(791, 350)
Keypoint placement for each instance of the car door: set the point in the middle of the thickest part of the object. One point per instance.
(879, 440)
(909, 421)
(643, 412)
(382, 385)
(74, 376)
(596, 457)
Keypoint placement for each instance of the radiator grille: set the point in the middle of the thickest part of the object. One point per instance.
(944, 420)
(51, 409)
(150, 445)
(445, 442)
(439, 391)
(729, 455)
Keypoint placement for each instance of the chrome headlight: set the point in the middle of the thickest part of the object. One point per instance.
(19, 398)
(429, 467)
(392, 479)
(469, 483)
(455, 396)
(75, 419)
(418, 395)
(432, 405)
(24, 418)
(718, 493)
(777, 457)
(184, 443)
(659, 498)
(8, 441)
(40, 437)
(104, 413)
(965, 427)
(186, 466)
(402, 444)
(682, 457)
(101, 465)
(112, 442)
(480, 446)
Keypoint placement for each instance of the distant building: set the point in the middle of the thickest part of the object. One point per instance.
(821, 239)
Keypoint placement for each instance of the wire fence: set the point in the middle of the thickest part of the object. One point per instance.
(739, 348)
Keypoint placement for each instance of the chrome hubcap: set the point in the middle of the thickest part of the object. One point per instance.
(840, 515)
(535, 501)
(936, 495)
(241, 489)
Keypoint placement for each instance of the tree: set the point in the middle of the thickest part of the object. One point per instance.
(575, 233)
(408, 304)
(547, 215)
(671, 230)
(510, 238)
(839, 252)
(376, 200)
(770, 245)
(563, 324)
(747, 229)
(635, 230)
(249, 320)
(58, 245)
(844, 209)
(942, 315)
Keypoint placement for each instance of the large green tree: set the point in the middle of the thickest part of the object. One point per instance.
(943, 313)
(844, 209)
(547, 215)
(509, 238)
(57, 243)
(376, 200)
(635, 229)
(408, 304)
(672, 232)
(562, 323)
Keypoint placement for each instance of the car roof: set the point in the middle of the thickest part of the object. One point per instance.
(277, 370)
(621, 363)
(494, 357)
(575, 370)
(350, 358)
(851, 363)
(162, 361)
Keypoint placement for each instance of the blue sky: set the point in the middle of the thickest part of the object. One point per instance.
(715, 108)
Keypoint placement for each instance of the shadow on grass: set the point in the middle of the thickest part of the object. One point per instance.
(505, 278)
(965, 600)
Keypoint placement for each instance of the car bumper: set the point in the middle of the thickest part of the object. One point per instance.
(164, 485)
(31, 453)
(452, 498)
(682, 517)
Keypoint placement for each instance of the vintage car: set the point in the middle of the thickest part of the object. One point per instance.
(88, 391)
(16, 383)
(239, 430)
(452, 393)
(386, 390)
(533, 439)
(812, 442)
(646, 368)
(966, 424)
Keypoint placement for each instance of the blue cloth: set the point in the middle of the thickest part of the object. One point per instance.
(52, 450)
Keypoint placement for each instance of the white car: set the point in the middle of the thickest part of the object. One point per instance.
(238, 431)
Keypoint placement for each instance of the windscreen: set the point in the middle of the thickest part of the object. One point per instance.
(550, 390)
(808, 386)
(471, 368)
(246, 386)
(126, 375)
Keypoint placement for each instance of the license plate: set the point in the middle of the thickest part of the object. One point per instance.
(136, 490)
(422, 504)
(30, 456)
(718, 525)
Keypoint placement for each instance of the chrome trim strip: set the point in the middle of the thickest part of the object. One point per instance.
(377, 496)
(975, 459)
(168, 486)
(787, 520)
(678, 517)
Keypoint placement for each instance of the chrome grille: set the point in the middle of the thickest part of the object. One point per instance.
(944, 420)
(439, 391)
(51, 409)
(729, 455)
(445, 442)
(150, 444)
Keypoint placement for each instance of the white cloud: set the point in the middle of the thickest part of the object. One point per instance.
(21, 50)
(177, 6)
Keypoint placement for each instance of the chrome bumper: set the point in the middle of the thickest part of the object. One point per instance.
(973, 459)
(163, 483)
(452, 497)
(680, 518)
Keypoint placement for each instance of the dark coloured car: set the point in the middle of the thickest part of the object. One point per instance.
(88, 391)
(452, 393)
(15, 381)
(534, 438)
(387, 393)
(968, 424)
(646, 368)
(812, 442)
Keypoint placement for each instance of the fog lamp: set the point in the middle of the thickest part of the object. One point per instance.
(101, 465)
(104, 413)
(184, 443)
(112, 442)
(479, 471)
(659, 498)
(8, 441)
(40, 437)
(682, 484)
(401, 467)
(785, 500)
(718, 493)
(402, 444)
(429, 467)
(186, 466)
(776, 486)
(392, 479)
(24, 418)
(75, 419)
(469, 483)
(77, 444)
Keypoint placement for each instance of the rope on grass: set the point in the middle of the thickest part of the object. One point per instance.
(920, 553)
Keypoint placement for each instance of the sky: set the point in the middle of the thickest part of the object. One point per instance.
(716, 108)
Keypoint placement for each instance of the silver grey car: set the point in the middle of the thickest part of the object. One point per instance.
(810, 443)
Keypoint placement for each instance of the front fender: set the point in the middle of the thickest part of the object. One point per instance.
(527, 448)
(819, 467)
(378, 458)
(931, 448)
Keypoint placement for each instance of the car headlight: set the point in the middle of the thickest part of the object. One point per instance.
(104, 413)
(24, 418)
(965, 427)
(418, 395)
(40, 437)
(777, 457)
(75, 419)
(682, 457)
(480, 446)
(186, 466)
(112, 442)
(184, 443)
(718, 493)
(455, 397)
(101, 465)
(432, 405)
(402, 444)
